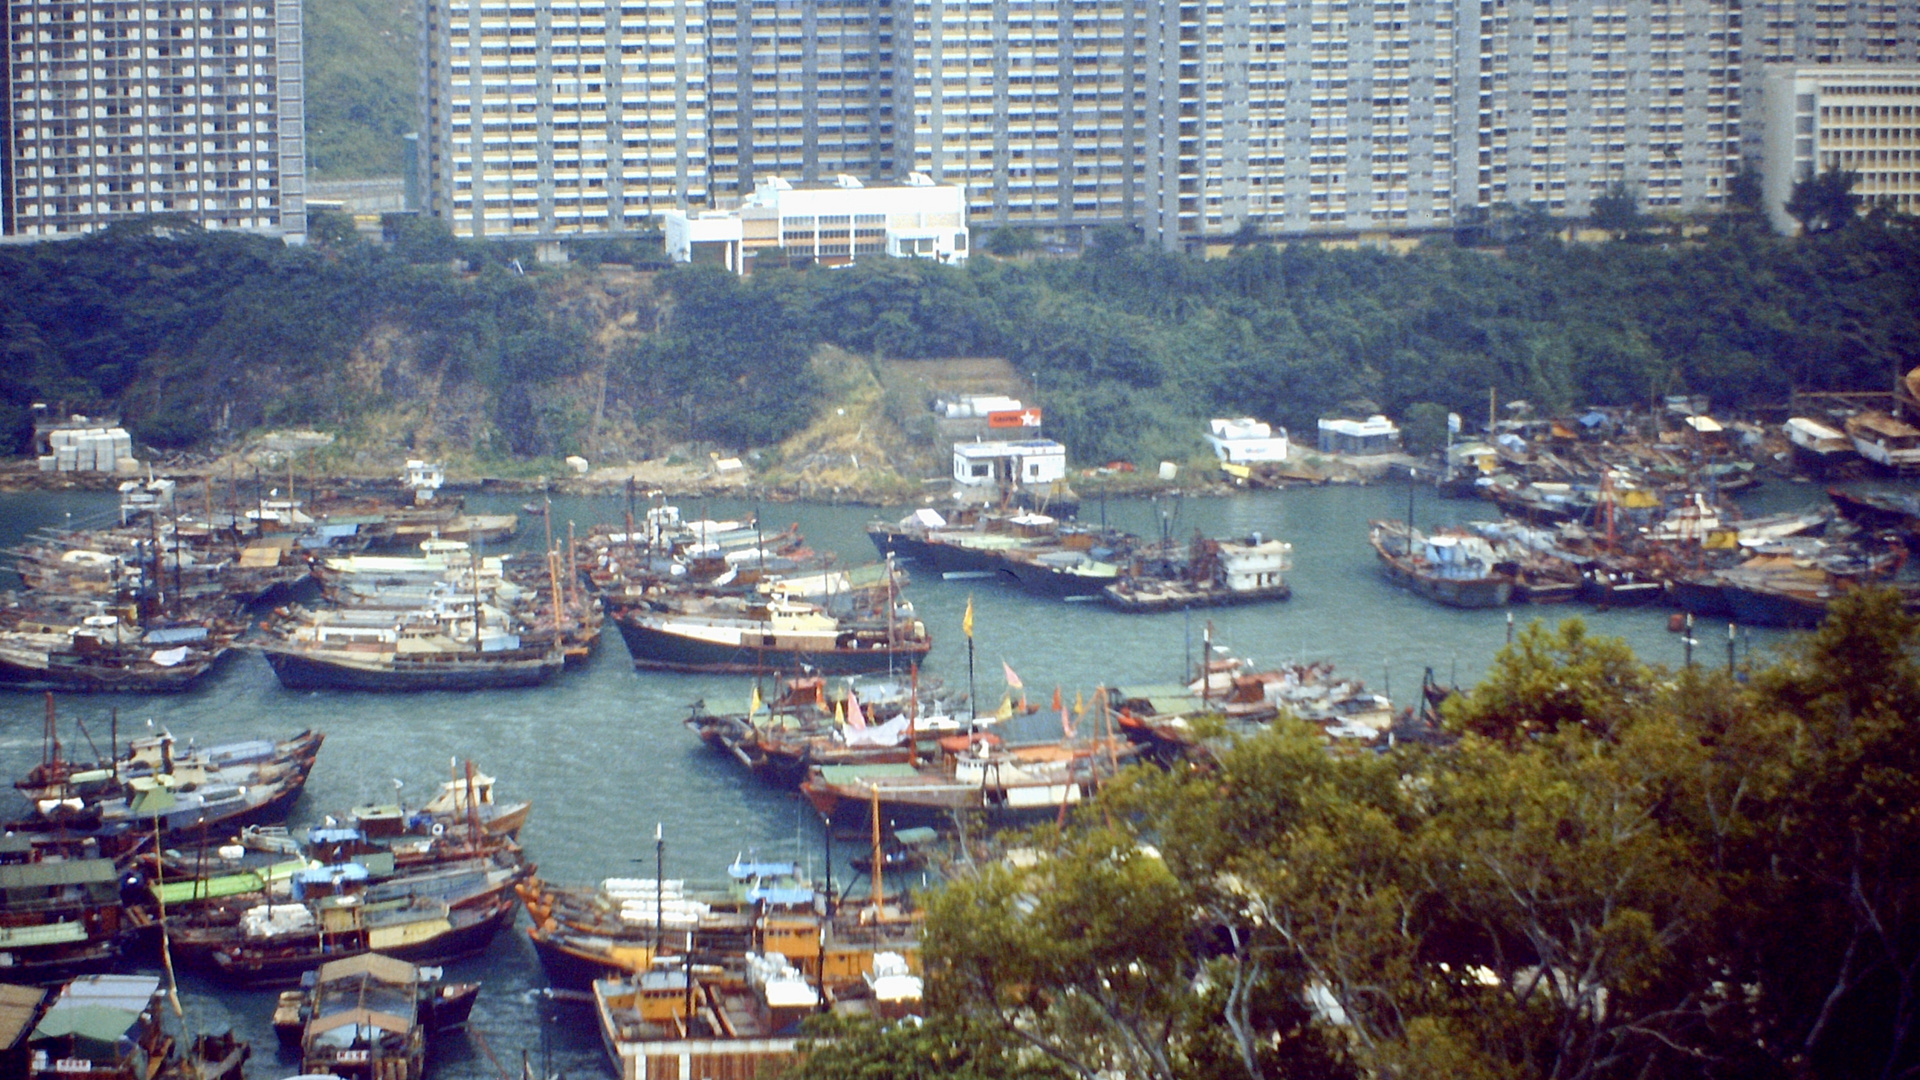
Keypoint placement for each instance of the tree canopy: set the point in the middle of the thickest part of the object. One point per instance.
(1615, 871)
(1130, 348)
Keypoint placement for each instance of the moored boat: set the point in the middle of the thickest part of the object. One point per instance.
(1888, 443)
(1819, 448)
(779, 635)
(1449, 568)
(1215, 573)
(370, 1016)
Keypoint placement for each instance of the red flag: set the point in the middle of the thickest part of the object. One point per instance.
(1056, 699)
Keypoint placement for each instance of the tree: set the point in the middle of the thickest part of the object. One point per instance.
(942, 1047)
(331, 228)
(1082, 955)
(1745, 193)
(1618, 211)
(1833, 927)
(1824, 202)
(1009, 241)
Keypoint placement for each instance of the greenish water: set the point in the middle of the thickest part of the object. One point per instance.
(604, 756)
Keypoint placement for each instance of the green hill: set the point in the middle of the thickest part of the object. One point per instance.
(363, 71)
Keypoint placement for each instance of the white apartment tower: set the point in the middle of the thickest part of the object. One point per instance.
(1848, 33)
(803, 91)
(118, 109)
(1309, 115)
(1569, 99)
(550, 118)
(1192, 120)
(1039, 107)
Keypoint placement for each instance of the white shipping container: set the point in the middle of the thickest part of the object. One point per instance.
(46, 463)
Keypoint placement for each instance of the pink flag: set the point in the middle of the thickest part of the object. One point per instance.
(854, 719)
(1066, 725)
(1013, 681)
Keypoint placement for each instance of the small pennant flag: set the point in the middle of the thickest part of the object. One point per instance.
(839, 717)
(1005, 711)
(1013, 681)
(1066, 725)
(966, 621)
(753, 706)
(1057, 707)
(854, 720)
(1079, 704)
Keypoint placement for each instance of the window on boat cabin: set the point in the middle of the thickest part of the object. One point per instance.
(982, 470)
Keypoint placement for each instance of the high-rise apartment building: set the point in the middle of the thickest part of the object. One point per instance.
(1571, 99)
(551, 118)
(1037, 106)
(1807, 32)
(1299, 116)
(116, 109)
(1192, 120)
(801, 91)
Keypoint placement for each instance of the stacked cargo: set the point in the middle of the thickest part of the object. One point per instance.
(89, 450)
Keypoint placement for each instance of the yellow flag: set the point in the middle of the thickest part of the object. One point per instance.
(966, 621)
(753, 706)
(839, 715)
(1005, 711)
(1079, 704)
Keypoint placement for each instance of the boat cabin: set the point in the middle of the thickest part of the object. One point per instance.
(365, 1021)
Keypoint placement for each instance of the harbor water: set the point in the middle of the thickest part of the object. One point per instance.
(603, 755)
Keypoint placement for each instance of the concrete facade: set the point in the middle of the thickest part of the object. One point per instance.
(1191, 121)
(117, 109)
(1862, 118)
(551, 118)
(833, 225)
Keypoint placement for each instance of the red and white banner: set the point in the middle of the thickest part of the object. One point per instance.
(1014, 418)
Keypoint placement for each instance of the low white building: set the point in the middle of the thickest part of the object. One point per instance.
(1816, 118)
(1374, 435)
(1025, 463)
(711, 236)
(834, 225)
(1246, 441)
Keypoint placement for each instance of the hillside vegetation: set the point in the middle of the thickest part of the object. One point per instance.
(363, 74)
(441, 346)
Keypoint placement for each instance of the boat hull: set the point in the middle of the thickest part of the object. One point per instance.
(1769, 607)
(1482, 592)
(657, 649)
(1043, 580)
(1183, 597)
(1700, 597)
(281, 966)
(300, 672)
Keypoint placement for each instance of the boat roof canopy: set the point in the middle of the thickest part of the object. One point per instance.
(384, 968)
